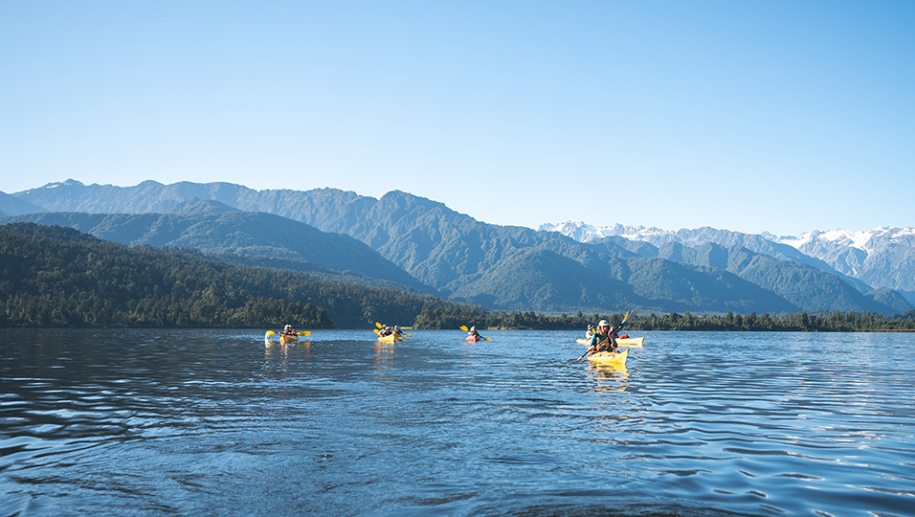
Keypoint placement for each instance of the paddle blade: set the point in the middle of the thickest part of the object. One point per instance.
(464, 328)
(379, 325)
(486, 339)
(271, 333)
(376, 331)
(408, 335)
(630, 314)
(303, 333)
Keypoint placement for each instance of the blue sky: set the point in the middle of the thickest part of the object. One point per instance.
(781, 116)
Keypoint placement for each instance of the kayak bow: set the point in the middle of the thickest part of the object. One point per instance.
(609, 358)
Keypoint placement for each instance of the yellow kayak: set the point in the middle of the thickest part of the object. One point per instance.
(609, 358)
(627, 341)
(391, 338)
(272, 337)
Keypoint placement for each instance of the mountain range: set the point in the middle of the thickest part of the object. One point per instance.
(882, 258)
(423, 245)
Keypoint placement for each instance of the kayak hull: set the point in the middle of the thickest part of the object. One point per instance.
(390, 339)
(609, 358)
(627, 341)
(288, 340)
(474, 339)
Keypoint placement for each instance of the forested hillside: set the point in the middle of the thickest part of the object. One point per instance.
(253, 238)
(53, 276)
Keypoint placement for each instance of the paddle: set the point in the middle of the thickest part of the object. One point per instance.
(465, 329)
(629, 315)
(302, 333)
(625, 319)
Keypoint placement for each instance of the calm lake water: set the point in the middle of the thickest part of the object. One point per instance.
(212, 422)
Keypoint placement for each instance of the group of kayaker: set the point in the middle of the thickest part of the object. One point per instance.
(387, 331)
(602, 338)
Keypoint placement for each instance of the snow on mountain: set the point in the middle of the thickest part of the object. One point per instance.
(583, 232)
(882, 257)
(867, 241)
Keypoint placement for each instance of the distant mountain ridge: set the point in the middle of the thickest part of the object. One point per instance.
(12, 205)
(883, 257)
(509, 267)
(221, 231)
(879, 258)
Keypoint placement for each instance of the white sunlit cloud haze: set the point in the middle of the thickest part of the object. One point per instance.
(750, 116)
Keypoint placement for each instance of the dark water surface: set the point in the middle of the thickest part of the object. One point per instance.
(212, 422)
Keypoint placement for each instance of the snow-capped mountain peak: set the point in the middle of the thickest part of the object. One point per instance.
(882, 257)
(866, 241)
(584, 232)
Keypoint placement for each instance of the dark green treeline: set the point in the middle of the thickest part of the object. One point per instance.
(53, 276)
(453, 316)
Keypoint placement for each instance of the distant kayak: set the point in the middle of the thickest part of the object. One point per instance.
(609, 358)
(625, 341)
(390, 338)
(474, 339)
(272, 337)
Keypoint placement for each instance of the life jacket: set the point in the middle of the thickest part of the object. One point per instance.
(604, 342)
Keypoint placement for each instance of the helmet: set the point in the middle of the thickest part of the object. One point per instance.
(287, 327)
(603, 323)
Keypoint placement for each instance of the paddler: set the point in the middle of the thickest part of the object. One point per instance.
(385, 331)
(474, 334)
(397, 331)
(604, 339)
(590, 333)
(288, 331)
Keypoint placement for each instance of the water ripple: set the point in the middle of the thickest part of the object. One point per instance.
(213, 422)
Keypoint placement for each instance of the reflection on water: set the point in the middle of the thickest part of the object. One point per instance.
(384, 354)
(277, 357)
(609, 377)
(216, 423)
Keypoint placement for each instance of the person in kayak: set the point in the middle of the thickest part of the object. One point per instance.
(385, 331)
(604, 339)
(590, 332)
(474, 334)
(397, 332)
(288, 331)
